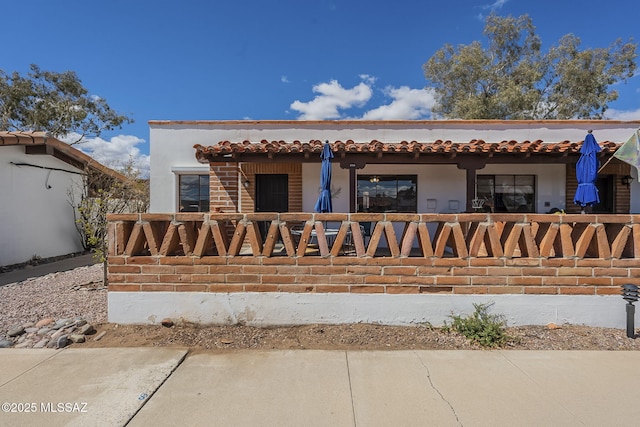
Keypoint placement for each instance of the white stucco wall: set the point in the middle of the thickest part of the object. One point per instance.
(36, 218)
(172, 152)
(282, 308)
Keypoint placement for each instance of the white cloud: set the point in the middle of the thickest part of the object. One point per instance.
(495, 5)
(614, 114)
(284, 79)
(332, 97)
(114, 153)
(492, 7)
(407, 104)
(369, 80)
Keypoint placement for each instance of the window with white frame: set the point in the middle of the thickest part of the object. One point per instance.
(193, 193)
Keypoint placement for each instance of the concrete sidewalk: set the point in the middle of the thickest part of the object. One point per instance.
(159, 386)
(30, 271)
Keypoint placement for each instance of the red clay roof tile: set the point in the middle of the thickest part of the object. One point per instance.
(375, 146)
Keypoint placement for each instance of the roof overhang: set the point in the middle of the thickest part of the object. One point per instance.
(435, 152)
(40, 143)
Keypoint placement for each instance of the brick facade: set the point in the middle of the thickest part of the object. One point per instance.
(380, 275)
(223, 187)
(249, 172)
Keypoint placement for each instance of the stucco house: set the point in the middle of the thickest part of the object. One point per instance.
(428, 218)
(446, 163)
(37, 175)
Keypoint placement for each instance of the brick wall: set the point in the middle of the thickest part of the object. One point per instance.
(223, 187)
(293, 170)
(372, 275)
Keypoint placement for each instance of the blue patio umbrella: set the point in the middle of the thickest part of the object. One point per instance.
(587, 173)
(323, 204)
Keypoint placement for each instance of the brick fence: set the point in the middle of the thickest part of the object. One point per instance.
(443, 254)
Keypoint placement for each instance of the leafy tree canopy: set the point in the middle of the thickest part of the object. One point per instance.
(513, 79)
(53, 102)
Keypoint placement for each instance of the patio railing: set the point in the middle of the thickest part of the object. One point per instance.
(365, 235)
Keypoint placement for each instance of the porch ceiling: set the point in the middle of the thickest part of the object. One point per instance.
(438, 151)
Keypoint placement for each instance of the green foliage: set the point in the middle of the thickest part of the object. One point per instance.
(513, 79)
(488, 330)
(53, 102)
(100, 195)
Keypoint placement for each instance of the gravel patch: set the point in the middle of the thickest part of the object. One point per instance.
(67, 294)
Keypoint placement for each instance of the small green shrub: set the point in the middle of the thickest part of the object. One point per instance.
(488, 330)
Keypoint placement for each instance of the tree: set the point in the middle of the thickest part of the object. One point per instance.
(53, 102)
(513, 79)
(100, 194)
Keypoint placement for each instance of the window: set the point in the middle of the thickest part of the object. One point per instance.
(387, 193)
(193, 193)
(507, 193)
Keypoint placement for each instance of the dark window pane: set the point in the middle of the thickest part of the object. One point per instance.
(507, 193)
(387, 193)
(193, 193)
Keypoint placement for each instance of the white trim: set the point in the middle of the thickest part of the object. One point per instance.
(178, 170)
(281, 308)
(185, 170)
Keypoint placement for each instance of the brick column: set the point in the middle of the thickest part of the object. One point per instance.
(223, 187)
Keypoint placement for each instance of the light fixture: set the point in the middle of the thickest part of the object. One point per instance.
(630, 294)
(246, 183)
(626, 180)
(375, 179)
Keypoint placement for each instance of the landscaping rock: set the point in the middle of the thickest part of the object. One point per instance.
(100, 335)
(61, 323)
(87, 329)
(25, 344)
(14, 332)
(44, 322)
(167, 323)
(56, 335)
(42, 343)
(77, 338)
(62, 342)
(48, 333)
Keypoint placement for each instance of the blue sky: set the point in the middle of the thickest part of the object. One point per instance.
(275, 59)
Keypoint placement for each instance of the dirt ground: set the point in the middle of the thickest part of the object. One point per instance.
(354, 337)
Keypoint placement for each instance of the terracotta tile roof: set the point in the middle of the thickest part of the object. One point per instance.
(42, 143)
(411, 147)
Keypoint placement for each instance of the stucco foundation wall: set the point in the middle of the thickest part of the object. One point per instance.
(271, 309)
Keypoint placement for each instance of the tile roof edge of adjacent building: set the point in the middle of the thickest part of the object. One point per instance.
(334, 122)
(43, 138)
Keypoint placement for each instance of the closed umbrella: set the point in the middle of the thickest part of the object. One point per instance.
(587, 173)
(323, 204)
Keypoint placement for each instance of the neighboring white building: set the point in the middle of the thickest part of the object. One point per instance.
(37, 174)
(442, 181)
